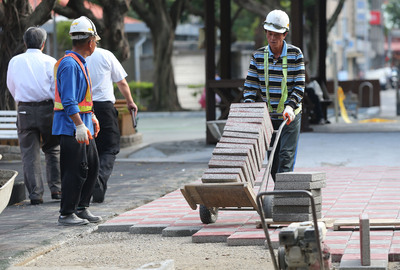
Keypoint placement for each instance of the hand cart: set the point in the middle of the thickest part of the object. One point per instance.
(229, 192)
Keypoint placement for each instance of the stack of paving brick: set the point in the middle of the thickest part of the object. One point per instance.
(240, 152)
(298, 208)
(236, 160)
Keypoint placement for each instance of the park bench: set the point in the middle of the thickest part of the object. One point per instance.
(8, 127)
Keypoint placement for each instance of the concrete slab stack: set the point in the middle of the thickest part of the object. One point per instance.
(243, 144)
(298, 208)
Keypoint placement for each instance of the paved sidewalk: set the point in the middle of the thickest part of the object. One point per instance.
(174, 153)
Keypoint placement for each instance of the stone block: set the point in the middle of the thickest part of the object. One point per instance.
(299, 200)
(232, 164)
(250, 166)
(253, 142)
(356, 265)
(300, 176)
(241, 152)
(294, 217)
(220, 178)
(303, 201)
(237, 171)
(299, 185)
(365, 246)
(295, 209)
(178, 231)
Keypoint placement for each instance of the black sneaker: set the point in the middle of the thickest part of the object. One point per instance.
(56, 195)
(98, 195)
(85, 214)
(36, 202)
(71, 220)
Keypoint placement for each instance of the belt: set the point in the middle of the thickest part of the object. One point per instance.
(40, 103)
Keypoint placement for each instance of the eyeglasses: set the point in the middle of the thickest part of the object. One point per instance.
(276, 26)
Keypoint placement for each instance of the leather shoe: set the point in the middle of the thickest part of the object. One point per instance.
(85, 214)
(56, 195)
(71, 220)
(36, 201)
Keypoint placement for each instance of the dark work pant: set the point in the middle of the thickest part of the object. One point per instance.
(79, 171)
(107, 142)
(34, 124)
(286, 150)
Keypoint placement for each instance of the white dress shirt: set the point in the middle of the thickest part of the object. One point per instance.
(104, 69)
(30, 76)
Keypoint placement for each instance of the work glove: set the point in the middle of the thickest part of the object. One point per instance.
(82, 134)
(288, 114)
(96, 125)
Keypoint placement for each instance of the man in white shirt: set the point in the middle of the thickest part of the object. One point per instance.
(30, 80)
(105, 69)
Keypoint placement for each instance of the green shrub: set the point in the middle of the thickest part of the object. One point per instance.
(142, 93)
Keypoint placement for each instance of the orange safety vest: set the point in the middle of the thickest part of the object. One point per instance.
(86, 105)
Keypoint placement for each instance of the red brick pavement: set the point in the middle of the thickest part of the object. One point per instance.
(350, 191)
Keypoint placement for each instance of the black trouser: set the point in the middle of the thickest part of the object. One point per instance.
(286, 150)
(34, 122)
(107, 143)
(79, 170)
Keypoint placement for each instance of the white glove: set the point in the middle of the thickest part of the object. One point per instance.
(288, 114)
(82, 134)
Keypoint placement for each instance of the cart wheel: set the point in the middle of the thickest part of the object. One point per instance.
(208, 216)
(267, 205)
(281, 258)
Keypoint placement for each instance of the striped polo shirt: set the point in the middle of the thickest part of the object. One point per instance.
(255, 81)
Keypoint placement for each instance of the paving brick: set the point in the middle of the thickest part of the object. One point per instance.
(220, 178)
(247, 152)
(250, 166)
(294, 217)
(226, 171)
(295, 209)
(365, 248)
(175, 231)
(297, 201)
(114, 227)
(300, 176)
(356, 265)
(249, 105)
(299, 185)
(231, 164)
(148, 228)
(241, 141)
(260, 142)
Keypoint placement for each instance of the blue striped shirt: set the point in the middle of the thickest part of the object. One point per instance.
(254, 86)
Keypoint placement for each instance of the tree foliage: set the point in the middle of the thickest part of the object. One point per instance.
(111, 27)
(393, 10)
(15, 17)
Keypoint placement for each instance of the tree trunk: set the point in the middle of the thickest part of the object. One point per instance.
(11, 44)
(16, 17)
(162, 17)
(165, 95)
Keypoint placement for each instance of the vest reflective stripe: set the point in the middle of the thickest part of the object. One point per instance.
(86, 105)
(281, 105)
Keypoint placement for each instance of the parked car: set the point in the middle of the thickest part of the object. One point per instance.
(381, 74)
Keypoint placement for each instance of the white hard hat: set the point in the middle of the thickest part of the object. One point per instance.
(277, 21)
(85, 27)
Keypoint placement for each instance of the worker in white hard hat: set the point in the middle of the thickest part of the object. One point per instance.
(276, 76)
(77, 126)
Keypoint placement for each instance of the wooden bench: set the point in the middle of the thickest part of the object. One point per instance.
(236, 161)
(8, 128)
